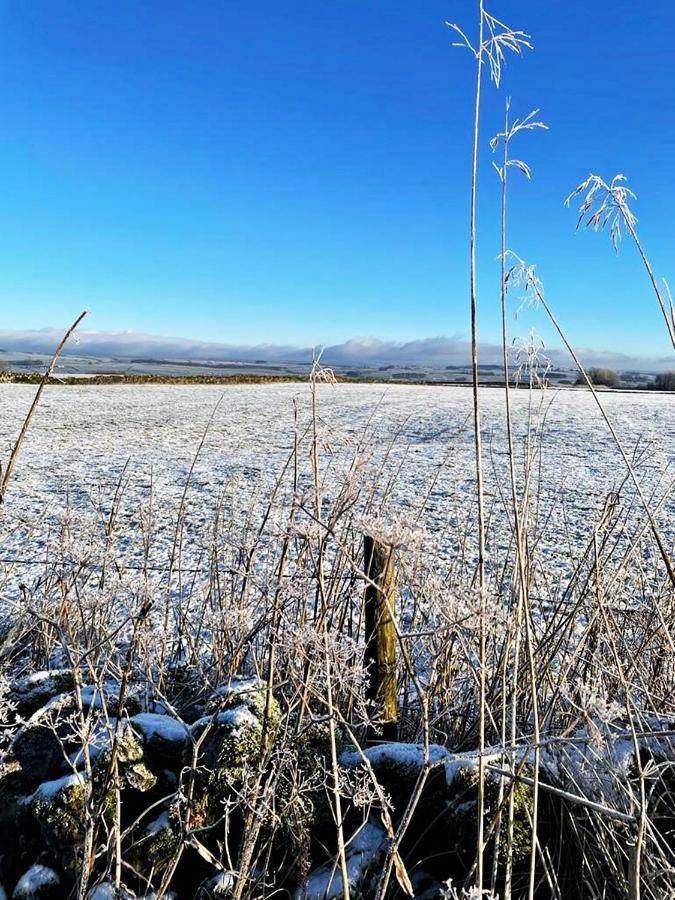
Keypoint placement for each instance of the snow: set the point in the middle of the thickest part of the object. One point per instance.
(221, 883)
(404, 756)
(106, 891)
(597, 763)
(462, 763)
(54, 704)
(159, 824)
(408, 759)
(92, 697)
(82, 437)
(49, 789)
(36, 879)
(165, 727)
(240, 716)
(36, 678)
(237, 686)
(362, 853)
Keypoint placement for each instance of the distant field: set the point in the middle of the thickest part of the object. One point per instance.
(83, 437)
(29, 367)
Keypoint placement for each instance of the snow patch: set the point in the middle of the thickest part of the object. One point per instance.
(34, 881)
(363, 852)
(49, 789)
(165, 727)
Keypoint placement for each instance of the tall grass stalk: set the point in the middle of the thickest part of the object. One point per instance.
(529, 123)
(494, 37)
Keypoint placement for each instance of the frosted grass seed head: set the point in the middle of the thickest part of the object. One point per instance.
(497, 39)
(529, 359)
(393, 531)
(529, 123)
(523, 276)
(605, 205)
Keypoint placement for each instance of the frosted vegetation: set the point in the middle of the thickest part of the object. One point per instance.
(185, 709)
(409, 449)
(182, 589)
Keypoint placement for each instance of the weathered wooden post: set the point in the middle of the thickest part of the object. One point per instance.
(380, 655)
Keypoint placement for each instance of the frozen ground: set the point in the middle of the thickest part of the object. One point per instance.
(84, 439)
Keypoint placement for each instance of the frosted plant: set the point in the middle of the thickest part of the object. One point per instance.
(356, 785)
(598, 706)
(511, 129)
(321, 374)
(605, 205)
(391, 531)
(496, 38)
(7, 711)
(523, 277)
(530, 360)
(450, 892)
(608, 205)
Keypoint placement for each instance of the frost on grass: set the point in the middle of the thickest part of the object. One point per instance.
(82, 438)
(197, 578)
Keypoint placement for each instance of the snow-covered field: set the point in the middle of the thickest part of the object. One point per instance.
(84, 439)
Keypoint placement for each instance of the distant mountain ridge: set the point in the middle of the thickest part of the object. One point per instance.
(428, 353)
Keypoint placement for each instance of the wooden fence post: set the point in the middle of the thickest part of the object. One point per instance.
(380, 654)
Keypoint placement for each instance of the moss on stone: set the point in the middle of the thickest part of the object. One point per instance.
(238, 750)
(250, 693)
(158, 843)
(59, 808)
(230, 748)
(463, 812)
(138, 777)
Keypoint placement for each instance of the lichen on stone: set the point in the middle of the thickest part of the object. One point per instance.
(59, 807)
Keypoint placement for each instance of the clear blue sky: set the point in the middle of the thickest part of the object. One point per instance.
(297, 172)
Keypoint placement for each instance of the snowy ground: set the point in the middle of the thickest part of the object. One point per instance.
(83, 437)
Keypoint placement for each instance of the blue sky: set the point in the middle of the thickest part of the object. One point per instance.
(296, 173)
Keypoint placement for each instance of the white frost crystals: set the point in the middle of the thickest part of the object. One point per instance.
(82, 437)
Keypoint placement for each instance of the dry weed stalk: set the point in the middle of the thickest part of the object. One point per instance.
(494, 38)
(9, 468)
